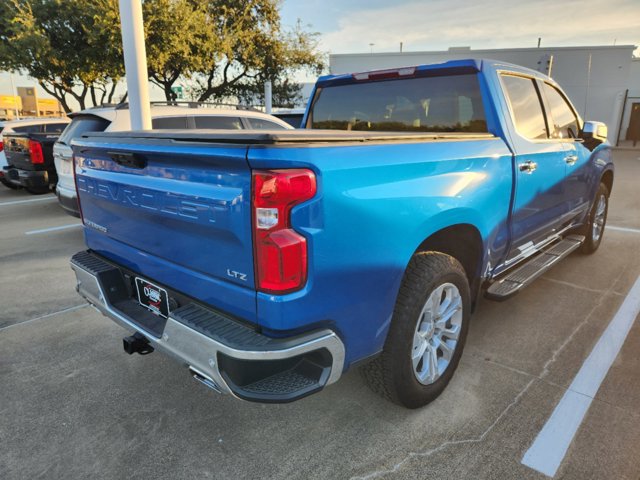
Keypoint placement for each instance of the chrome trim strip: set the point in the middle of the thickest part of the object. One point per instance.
(198, 351)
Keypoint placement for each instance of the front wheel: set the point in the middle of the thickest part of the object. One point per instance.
(427, 332)
(594, 229)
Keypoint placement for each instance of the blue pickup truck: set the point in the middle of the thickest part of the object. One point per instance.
(269, 263)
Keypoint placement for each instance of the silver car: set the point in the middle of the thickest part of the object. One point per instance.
(116, 118)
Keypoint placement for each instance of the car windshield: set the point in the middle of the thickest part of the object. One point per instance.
(451, 103)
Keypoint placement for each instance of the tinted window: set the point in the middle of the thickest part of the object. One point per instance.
(28, 129)
(293, 119)
(218, 122)
(179, 123)
(526, 107)
(54, 127)
(426, 104)
(260, 124)
(81, 125)
(565, 123)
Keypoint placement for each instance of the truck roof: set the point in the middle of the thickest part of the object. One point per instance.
(470, 65)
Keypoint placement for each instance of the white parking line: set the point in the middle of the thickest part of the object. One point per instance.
(550, 446)
(53, 229)
(31, 200)
(623, 229)
(64, 310)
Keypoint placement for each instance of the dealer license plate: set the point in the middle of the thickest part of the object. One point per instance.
(152, 297)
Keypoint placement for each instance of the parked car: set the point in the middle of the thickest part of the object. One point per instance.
(293, 116)
(177, 115)
(29, 156)
(27, 125)
(271, 262)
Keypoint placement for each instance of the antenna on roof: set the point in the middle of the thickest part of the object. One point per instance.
(539, 40)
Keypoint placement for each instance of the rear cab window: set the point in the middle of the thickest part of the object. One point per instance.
(54, 127)
(28, 129)
(82, 124)
(451, 103)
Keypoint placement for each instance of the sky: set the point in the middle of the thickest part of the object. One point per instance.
(350, 26)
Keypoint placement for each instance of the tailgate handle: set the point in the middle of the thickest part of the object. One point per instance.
(131, 160)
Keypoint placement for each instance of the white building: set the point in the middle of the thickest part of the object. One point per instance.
(632, 104)
(596, 79)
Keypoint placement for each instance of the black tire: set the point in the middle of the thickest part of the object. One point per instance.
(8, 184)
(392, 373)
(592, 240)
(38, 190)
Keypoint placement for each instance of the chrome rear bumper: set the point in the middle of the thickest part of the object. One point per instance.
(227, 355)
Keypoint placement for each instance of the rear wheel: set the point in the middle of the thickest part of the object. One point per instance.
(427, 332)
(594, 229)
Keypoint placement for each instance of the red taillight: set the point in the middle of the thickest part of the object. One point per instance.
(35, 150)
(1, 145)
(280, 251)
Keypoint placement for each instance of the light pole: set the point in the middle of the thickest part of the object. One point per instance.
(135, 63)
(14, 93)
(268, 96)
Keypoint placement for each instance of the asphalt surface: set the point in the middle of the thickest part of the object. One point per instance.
(73, 405)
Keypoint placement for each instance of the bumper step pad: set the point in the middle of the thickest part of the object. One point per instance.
(522, 276)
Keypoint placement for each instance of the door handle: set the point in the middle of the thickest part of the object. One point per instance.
(571, 159)
(528, 167)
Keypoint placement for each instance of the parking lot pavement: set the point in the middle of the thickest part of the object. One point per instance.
(35, 274)
(73, 405)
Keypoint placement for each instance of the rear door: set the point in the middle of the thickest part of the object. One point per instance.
(539, 205)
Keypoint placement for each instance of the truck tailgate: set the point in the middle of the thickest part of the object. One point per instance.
(16, 146)
(173, 213)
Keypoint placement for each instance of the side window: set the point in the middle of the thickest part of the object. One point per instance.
(169, 123)
(261, 124)
(526, 107)
(218, 122)
(565, 122)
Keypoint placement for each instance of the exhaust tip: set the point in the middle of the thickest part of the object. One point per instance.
(204, 380)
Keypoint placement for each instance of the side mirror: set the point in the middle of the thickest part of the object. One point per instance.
(594, 132)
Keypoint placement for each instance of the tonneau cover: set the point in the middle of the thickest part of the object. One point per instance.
(274, 137)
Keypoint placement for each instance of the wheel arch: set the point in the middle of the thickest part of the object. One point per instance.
(607, 179)
(463, 242)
